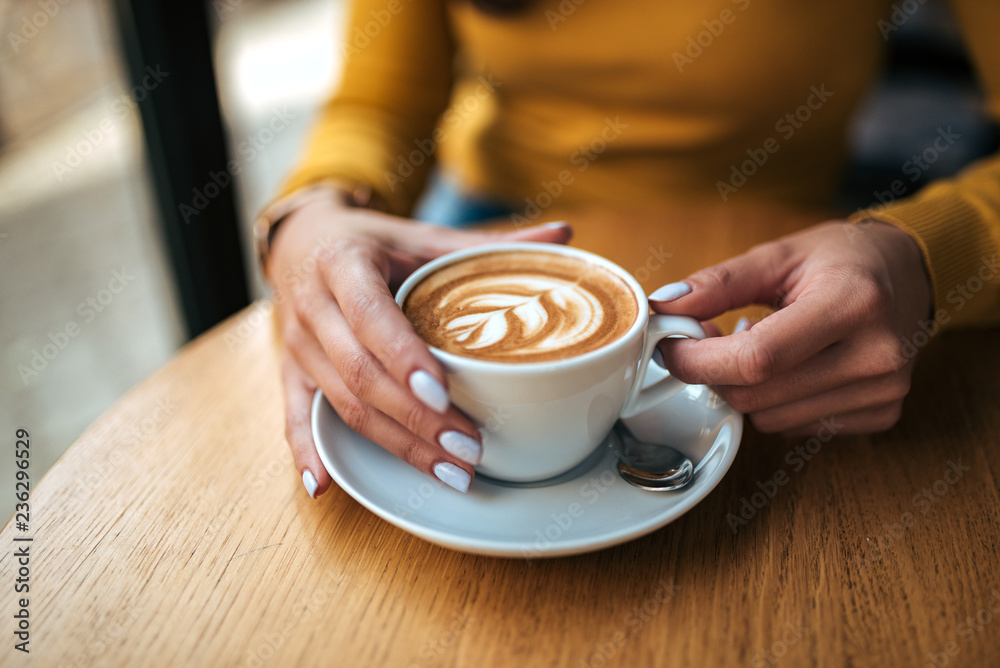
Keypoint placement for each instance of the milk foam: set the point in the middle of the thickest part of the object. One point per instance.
(522, 314)
(521, 306)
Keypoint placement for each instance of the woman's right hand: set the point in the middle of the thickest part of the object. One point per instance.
(335, 269)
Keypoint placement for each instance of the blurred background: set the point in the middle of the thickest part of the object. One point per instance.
(93, 298)
(69, 221)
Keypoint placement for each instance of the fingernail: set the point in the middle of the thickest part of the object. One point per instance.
(309, 480)
(658, 358)
(741, 324)
(464, 447)
(427, 389)
(453, 476)
(668, 293)
(558, 225)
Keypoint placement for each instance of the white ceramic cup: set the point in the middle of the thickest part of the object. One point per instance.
(540, 419)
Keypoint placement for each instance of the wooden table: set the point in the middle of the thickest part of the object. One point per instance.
(176, 532)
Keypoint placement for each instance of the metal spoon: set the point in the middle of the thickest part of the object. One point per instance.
(651, 466)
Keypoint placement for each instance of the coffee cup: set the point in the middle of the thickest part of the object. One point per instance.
(544, 346)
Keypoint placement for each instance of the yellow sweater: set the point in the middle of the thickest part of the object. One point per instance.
(647, 101)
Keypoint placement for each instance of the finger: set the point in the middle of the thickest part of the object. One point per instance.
(299, 390)
(388, 433)
(372, 423)
(417, 244)
(755, 277)
(742, 325)
(841, 364)
(357, 282)
(843, 400)
(711, 329)
(822, 314)
(366, 378)
(865, 421)
(426, 242)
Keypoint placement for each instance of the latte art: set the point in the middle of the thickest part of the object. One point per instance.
(540, 312)
(521, 306)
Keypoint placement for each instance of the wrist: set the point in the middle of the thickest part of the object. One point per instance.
(332, 195)
(904, 249)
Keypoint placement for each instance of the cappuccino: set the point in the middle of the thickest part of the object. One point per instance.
(521, 306)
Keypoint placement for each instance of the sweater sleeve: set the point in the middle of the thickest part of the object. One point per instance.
(378, 130)
(957, 221)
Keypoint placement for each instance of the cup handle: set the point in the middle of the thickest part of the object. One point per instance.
(659, 327)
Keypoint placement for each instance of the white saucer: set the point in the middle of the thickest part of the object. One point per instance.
(588, 509)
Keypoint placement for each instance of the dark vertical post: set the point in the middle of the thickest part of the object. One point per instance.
(167, 46)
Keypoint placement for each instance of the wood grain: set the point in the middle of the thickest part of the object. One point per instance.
(176, 531)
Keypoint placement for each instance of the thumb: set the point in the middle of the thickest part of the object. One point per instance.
(558, 232)
(755, 277)
(426, 242)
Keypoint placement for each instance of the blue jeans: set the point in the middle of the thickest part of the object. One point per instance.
(445, 203)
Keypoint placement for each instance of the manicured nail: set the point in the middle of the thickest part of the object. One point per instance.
(453, 476)
(464, 447)
(427, 389)
(309, 480)
(658, 358)
(669, 293)
(741, 324)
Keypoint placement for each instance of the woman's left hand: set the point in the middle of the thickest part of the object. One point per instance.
(835, 355)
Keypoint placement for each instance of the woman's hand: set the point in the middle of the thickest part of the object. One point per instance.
(832, 356)
(335, 269)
